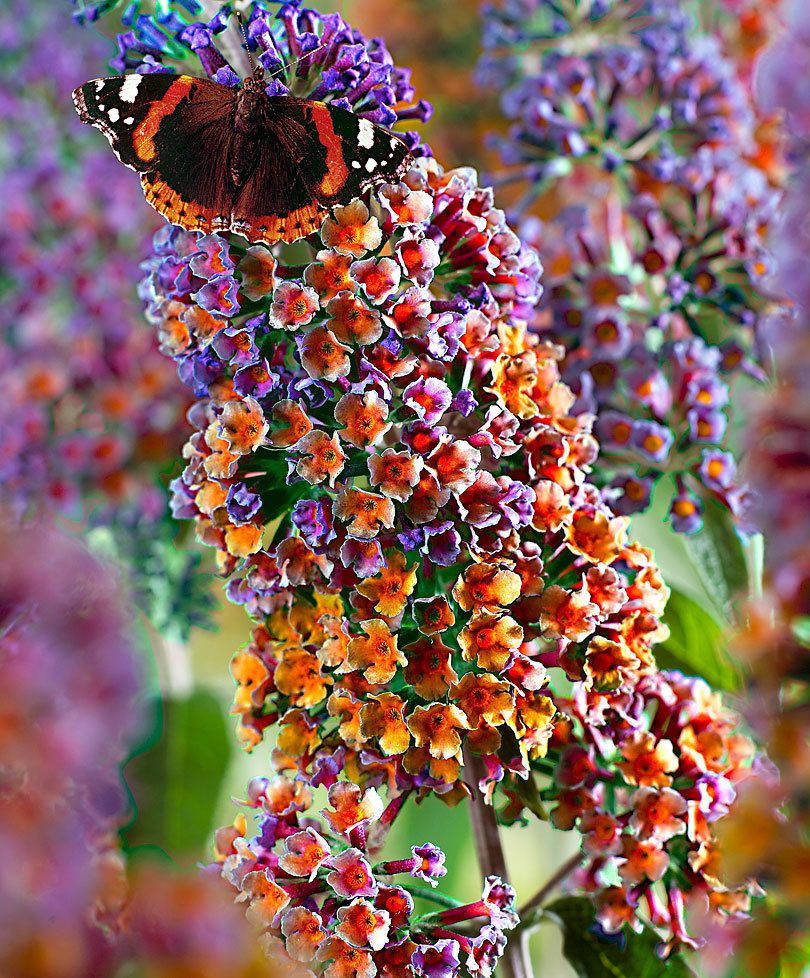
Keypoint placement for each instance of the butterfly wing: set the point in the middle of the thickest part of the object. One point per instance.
(310, 157)
(296, 159)
(176, 131)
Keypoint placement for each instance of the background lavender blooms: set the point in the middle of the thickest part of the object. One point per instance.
(631, 156)
(773, 636)
(68, 698)
(91, 414)
(71, 707)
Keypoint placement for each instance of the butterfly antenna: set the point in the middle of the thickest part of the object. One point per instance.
(303, 57)
(247, 43)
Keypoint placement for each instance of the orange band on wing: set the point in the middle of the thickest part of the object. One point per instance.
(144, 136)
(336, 172)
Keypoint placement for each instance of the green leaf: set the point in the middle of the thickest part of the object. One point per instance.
(176, 781)
(718, 555)
(697, 644)
(593, 957)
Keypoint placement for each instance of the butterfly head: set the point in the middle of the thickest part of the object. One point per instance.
(256, 82)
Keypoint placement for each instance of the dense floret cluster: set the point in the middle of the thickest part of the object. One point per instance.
(313, 888)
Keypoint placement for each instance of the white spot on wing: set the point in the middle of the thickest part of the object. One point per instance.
(355, 164)
(129, 90)
(99, 83)
(394, 143)
(129, 120)
(371, 165)
(365, 137)
(113, 115)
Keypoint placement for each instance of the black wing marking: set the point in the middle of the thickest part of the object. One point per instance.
(132, 109)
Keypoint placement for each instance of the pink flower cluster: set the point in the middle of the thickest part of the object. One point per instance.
(314, 890)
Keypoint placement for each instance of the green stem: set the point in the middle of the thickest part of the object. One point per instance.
(426, 893)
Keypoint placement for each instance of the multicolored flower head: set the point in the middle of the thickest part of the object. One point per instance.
(321, 900)
(647, 780)
(440, 546)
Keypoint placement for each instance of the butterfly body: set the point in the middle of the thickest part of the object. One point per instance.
(215, 158)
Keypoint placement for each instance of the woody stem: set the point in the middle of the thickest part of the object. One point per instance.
(492, 862)
(529, 911)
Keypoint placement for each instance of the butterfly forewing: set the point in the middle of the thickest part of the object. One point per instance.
(214, 158)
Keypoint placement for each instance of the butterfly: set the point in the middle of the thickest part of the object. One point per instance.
(214, 158)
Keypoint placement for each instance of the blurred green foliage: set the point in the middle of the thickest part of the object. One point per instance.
(628, 955)
(175, 780)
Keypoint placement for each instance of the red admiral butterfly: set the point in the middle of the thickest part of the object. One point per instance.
(214, 158)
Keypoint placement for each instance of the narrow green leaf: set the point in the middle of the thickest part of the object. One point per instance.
(593, 957)
(697, 644)
(176, 781)
(718, 555)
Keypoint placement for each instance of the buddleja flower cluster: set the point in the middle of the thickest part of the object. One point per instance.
(312, 887)
(90, 410)
(446, 550)
(634, 145)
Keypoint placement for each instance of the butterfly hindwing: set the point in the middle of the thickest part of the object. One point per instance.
(215, 158)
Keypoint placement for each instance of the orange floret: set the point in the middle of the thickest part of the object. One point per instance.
(646, 762)
(389, 591)
(436, 727)
(258, 271)
(490, 640)
(322, 356)
(351, 230)
(551, 507)
(352, 321)
(597, 538)
(484, 699)
(323, 458)
(351, 806)
(364, 417)
(513, 380)
(330, 275)
(429, 668)
(568, 614)
(298, 675)
(382, 718)
(290, 424)
(365, 512)
(242, 425)
(486, 587)
(396, 473)
(376, 654)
